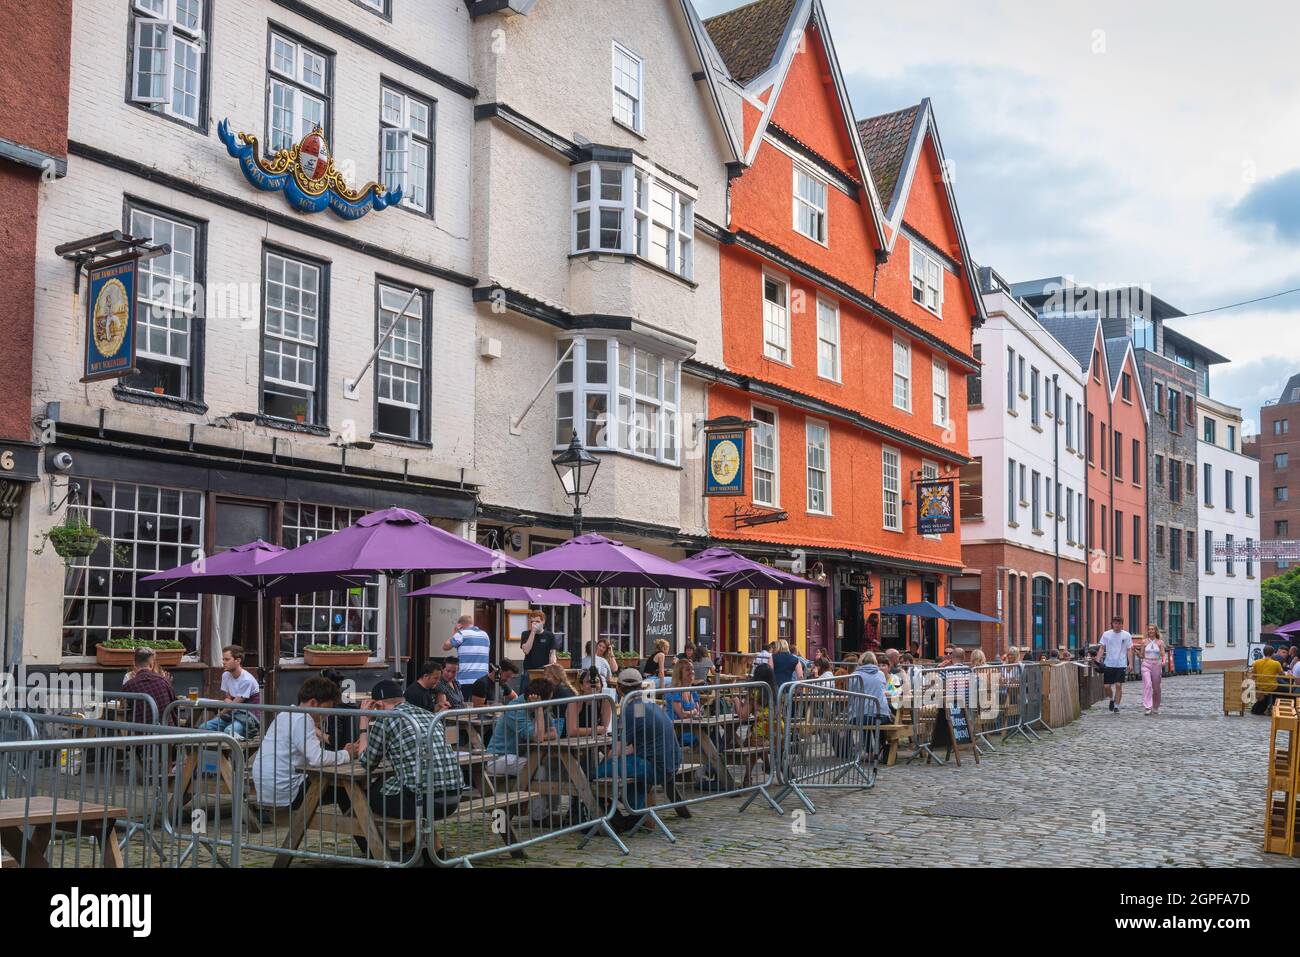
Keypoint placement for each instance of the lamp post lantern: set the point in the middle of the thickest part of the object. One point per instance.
(576, 469)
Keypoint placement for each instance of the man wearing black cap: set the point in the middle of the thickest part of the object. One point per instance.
(402, 743)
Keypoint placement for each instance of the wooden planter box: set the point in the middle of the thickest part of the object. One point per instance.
(125, 657)
(336, 659)
(1233, 679)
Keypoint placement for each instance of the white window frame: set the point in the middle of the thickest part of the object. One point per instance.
(404, 134)
(824, 469)
(296, 81)
(1011, 492)
(634, 212)
(805, 206)
(395, 364)
(828, 339)
(891, 488)
(927, 280)
(172, 315)
(902, 381)
(176, 35)
(297, 343)
(619, 423)
(939, 393)
(775, 471)
(637, 96)
(776, 327)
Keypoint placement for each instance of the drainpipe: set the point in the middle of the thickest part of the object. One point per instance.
(1056, 505)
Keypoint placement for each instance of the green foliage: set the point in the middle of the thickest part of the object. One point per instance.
(338, 649)
(1280, 597)
(130, 644)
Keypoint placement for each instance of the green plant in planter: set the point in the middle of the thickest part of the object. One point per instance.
(337, 649)
(129, 644)
(77, 538)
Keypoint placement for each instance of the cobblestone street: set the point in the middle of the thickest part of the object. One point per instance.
(1183, 789)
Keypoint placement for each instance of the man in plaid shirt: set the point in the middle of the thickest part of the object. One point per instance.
(147, 678)
(404, 744)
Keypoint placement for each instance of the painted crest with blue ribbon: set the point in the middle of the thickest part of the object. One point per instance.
(306, 174)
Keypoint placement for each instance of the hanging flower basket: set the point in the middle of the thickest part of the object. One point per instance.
(336, 656)
(74, 540)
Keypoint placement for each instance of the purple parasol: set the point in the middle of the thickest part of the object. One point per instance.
(472, 586)
(732, 570)
(391, 542)
(594, 561)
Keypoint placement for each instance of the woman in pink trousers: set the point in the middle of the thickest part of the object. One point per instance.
(1153, 659)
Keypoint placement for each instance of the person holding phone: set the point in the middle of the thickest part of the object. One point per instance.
(537, 643)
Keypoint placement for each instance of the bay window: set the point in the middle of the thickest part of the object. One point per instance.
(167, 49)
(623, 208)
(645, 393)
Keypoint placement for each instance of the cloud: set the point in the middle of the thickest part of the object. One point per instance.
(1273, 203)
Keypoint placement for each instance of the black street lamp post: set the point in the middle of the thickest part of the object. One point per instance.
(576, 469)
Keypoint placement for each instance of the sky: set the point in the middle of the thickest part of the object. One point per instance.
(1152, 142)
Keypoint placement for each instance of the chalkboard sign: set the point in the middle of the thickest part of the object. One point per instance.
(952, 730)
(659, 615)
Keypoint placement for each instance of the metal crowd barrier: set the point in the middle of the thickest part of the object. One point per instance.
(14, 726)
(1031, 706)
(997, 709)
(63, 807)
(720, 734)
(109, 705)
(926, 703)
(829, 737)
(533, 771)
(303, 794)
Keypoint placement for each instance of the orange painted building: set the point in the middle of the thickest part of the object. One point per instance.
(849, 302)
(1116, 529)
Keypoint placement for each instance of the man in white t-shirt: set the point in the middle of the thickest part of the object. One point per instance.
(292, 745)
(1115, 656)
(237, 686)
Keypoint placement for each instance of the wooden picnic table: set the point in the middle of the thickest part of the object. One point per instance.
(708, 747)
(352, 779)
(45, 817)
(569, 753)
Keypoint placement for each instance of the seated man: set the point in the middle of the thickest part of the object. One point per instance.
(237, 686)
(420, 691)
(511, 736)
(148, 678)
(1264, 672)
(404, 745)
(292, 743)
(648, 750)
(494, 687)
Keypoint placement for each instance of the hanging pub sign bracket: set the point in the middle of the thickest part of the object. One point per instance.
(745, 516)
(111, 261)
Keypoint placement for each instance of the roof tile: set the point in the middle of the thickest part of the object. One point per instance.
(748, 37)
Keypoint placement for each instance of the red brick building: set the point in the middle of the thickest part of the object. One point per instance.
(35, 50)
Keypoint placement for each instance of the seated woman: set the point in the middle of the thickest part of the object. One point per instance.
(586, 718)
(561, 690)
(683, 705)
(656, 665)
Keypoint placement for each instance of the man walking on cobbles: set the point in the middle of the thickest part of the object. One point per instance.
(1114, 656)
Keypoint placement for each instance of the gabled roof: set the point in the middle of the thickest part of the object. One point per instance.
(749, 37)
(886, 139)
(1115, 349)
(1077, 334)
(759, 42)
(1288, 390)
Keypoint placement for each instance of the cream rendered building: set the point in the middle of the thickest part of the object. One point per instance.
(604, 134)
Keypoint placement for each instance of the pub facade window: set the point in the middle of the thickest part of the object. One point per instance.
(406, 146)
(145, 529)
(167, 49)
(401, 394)
(293, 330)
(297, 89)
(617, 622)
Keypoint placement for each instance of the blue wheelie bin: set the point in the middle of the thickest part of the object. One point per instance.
(1187, 661)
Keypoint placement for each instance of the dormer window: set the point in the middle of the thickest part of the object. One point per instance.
(927, 280)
